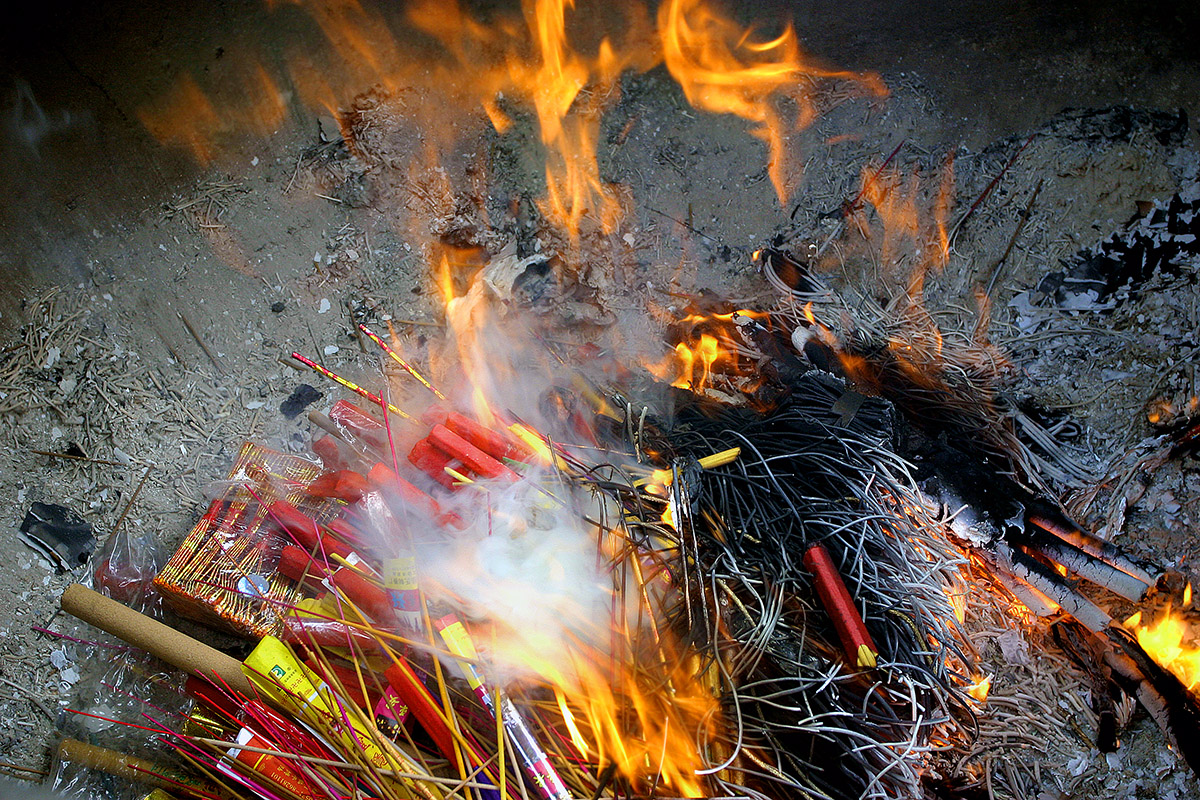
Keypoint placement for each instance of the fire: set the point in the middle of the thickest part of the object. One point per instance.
(569, 719)
(696, 365)
(906, 216)
(562, 64)
(1161, 411)
(568, 90)
(619, 689)
(648, 732)
(708, 354)
(1171, 641)
(980, 688)
(563, 614)
(186, 117)
(912, 222)
(722, 69)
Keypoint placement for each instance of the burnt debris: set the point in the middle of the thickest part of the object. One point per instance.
(1164, 241)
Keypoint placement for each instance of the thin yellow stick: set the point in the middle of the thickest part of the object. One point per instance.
(324, 762)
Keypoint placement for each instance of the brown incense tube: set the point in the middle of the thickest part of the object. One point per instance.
(157, 639)
(132, 768)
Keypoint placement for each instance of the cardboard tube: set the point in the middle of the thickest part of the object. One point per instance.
(132, 768)
(157, 639)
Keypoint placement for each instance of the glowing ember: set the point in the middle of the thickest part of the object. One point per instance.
(979, 690)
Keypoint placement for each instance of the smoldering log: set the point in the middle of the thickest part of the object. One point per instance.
(1085, 566)
(1052, 585)
(1053, 522)
(1037, 602)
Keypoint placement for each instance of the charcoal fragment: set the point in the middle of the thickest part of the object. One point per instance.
(301, 398)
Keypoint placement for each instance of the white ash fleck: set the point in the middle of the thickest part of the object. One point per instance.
(1014, 647)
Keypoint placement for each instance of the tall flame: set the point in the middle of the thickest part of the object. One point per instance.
(567, 610)
(567, 89)
(722, 70)
(563, 68)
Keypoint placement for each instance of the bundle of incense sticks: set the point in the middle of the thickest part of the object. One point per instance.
(342, 693)
(273, 559)
(224, 572)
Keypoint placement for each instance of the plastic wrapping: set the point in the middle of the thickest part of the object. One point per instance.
(100, 756)
(223, 574)
(125, 567)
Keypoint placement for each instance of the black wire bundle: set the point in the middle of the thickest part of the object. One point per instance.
(801, 723)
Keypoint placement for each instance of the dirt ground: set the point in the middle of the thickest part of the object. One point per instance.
(116, 247)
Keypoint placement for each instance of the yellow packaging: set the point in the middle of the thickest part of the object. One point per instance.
(276, 673)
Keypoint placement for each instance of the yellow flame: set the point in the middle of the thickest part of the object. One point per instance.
(569, 718)
(980, 688)
(612, 712)
(1170, 641)
(958, 602)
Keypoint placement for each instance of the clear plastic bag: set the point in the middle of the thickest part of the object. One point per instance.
(125, 568)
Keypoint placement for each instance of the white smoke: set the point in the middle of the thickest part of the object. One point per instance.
(527, 566)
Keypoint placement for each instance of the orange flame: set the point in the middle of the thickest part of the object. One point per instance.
(186, 117)
(1170, 641)
(707, 354)
(622, 691)
(722, 70)
(612, 716)
(566, 70)
(568, 90)
(1160, 410)
(914, 226)
(980, 688)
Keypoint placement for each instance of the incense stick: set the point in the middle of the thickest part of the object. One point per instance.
(354, 387)
(187, 324)
(73, 457)
(396, 357)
